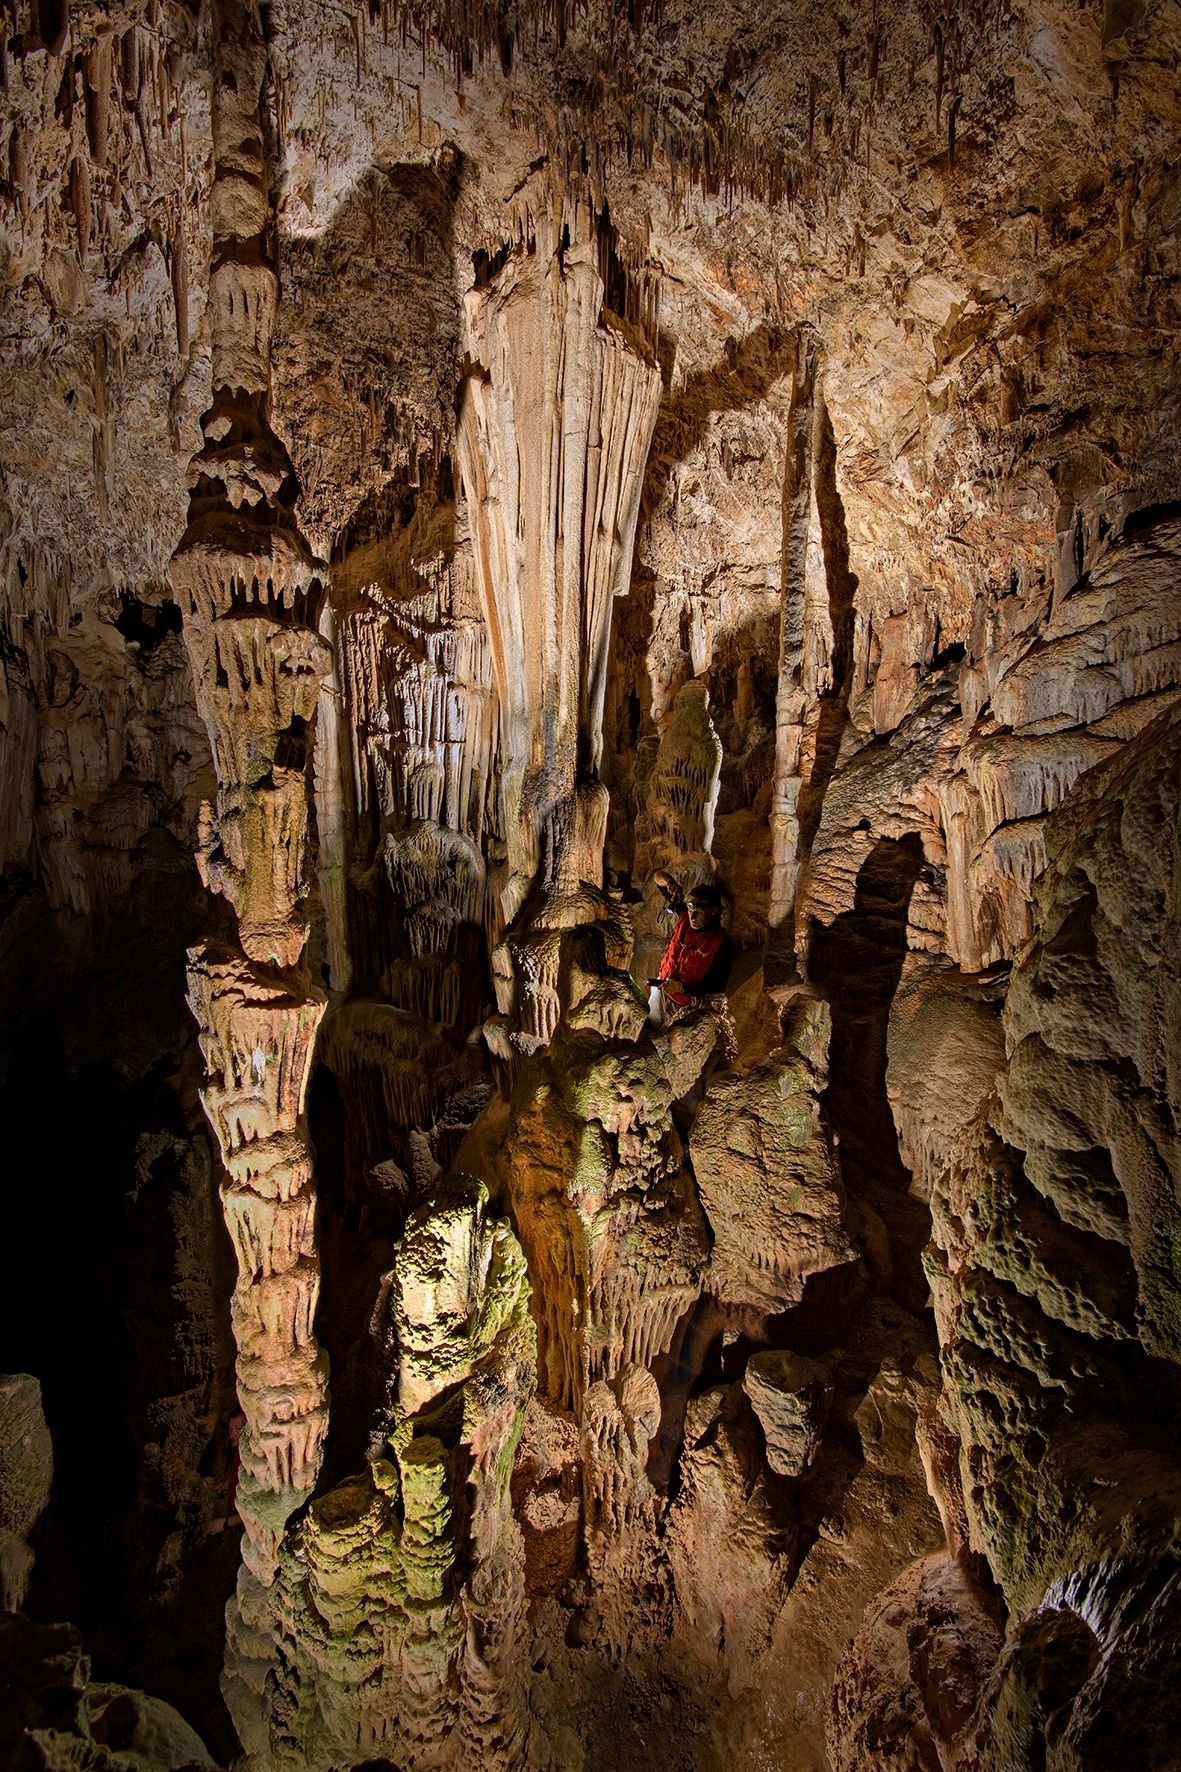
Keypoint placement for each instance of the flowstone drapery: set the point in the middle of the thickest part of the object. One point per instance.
(554, 429)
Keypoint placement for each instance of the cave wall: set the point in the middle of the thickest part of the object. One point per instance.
(455, 464)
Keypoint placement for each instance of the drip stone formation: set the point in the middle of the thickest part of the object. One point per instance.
(471, 477)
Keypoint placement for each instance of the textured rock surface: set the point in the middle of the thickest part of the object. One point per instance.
(769, 1186)
(945, 1048)
(790, 1396)
(53, 1715)
(368, 1643)
(26, 1472)
(1053, 1264)
(608, 1215)
(909, 1687)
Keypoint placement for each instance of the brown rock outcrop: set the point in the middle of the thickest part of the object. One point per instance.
(769, 1185)
(54, 1716)
(790, 1395)
(908, 1690)
(593, 1169)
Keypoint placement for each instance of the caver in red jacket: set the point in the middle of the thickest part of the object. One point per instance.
(700, 958)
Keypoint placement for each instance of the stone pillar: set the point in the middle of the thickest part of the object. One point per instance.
(250, 595)
(791, 698)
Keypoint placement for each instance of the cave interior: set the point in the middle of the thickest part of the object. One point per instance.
(463, 464)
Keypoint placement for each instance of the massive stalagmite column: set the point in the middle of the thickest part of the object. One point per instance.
(554, 434)
(250, 595)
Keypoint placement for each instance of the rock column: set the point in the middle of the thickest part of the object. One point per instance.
(791, 705)
(250, 594)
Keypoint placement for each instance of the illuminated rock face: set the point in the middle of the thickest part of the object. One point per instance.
(1064, 1162)
(394, 1624)
(607, 1213)
(26, 1472)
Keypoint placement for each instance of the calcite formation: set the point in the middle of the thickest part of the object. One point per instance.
(457, 462)
(607, 1212)
(54, 1715)
(553, 435)
(393, 1626)
(250, 595)
(769, 1186)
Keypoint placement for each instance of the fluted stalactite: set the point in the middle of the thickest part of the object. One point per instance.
(555, 426)
(250, 594)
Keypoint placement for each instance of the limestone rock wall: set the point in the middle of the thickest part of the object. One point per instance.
(714, 440)
(1059, 1485)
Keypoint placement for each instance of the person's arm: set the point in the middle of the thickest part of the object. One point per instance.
(674, 898)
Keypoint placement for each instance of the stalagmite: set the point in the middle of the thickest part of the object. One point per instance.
(368, 1645)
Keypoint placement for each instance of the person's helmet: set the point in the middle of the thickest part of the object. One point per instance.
(706, 896)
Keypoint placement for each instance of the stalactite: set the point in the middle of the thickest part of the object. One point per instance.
(790, 701)
(179, 270)
(18, 169)
(104, 424)
(97, 76)
(129, 65)
(592, 399)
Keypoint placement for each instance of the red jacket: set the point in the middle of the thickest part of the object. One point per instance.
(700, 958)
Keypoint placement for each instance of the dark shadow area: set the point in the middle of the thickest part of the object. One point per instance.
(750, 369)
(832, 708)
(355, 1254)
(857, 960)
(115, 1274)
(692, 1363)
